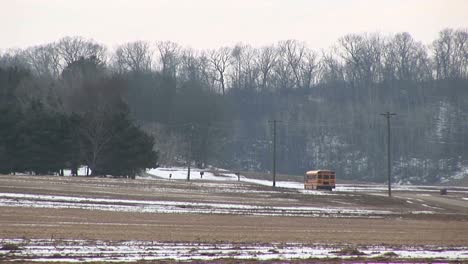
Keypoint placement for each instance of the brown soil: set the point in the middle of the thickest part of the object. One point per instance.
(449, 228)
(84, 224)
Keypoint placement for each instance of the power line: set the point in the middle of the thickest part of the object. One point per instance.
(402, 124)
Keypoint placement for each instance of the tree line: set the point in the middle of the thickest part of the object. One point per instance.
(213, 106)
(40, 135)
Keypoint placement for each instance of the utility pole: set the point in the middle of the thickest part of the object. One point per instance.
(389, 169)
(274, 151)
(190, 153)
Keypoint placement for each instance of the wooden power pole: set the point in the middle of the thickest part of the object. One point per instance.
(190, 153)
(274, 151)
(389, 168)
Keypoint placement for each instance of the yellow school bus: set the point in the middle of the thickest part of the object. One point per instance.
(319, 179)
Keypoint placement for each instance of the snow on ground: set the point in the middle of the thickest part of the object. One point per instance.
(287, 184)
(384, 188)
(180, 173)
(97, 250)
(461, 174)
(144, 206)
(422, 212)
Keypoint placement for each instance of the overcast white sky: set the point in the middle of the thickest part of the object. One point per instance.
(214, 23)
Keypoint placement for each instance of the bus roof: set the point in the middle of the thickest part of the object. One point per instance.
(317, 171)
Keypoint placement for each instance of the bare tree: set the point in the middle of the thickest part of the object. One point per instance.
(96, 134)
(250, 68)
(195, 67)
(134, 56)
(97, 102)
(294, 53)
(220, 61)
(308, 69)
(169, 57)
(331, 70)
(244, 71)
(450, 54)
(236, 58)
(406, 59)
(266, 61)
(443, 48)
(45, 60)
(461, 52)
(73, 48)
(283, 75)
(190, 66)
(208, 75)
(363, 57)
(14, 58)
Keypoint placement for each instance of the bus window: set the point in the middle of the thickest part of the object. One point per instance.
(320, 176)
(332, 177)
(325, 177)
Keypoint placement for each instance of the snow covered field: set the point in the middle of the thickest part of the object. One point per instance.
(174, 214)
(142, 206)
(50, 250)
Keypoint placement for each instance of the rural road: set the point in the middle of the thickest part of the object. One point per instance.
(449, 201)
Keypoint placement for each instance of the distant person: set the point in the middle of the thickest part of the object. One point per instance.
(238, 176)
(170, 176)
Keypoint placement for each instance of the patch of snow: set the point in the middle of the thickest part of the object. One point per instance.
(461, 174)
(144, 206)
(287, 184)
(441, 119)
(180, 173)
(51, 250)
(409, 188)
(432, 207)
(316, 192)
(422, 212)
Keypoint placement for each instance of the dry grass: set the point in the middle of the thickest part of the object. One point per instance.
(349, 251)
(10, 246)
